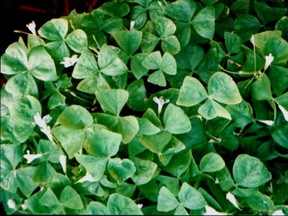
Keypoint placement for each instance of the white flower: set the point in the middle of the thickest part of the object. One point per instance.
(284, 112)
(62, 159)
(278, 212)
(139, 205)
(30, 157)
(11, 204)
(69, 61)
(212, 211)
(232, 199)
(32, 27)
(43, 125)
(24, 206)
(160, 101)
(132, 24)
(267, 122)
(268, 60)
(87, 177)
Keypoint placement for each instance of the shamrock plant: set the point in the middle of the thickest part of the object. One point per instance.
(148, 107)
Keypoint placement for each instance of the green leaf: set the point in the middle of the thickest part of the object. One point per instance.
(157, 78)
(175, 120)
(43, 173)
(115, 9)
(54, 30)
(97, 208)
(112, 100)
(278, 47)
(49, 199)
(14, 60)
(145, 170)
(21, 85)
(223, 89)
(168, 64)
(179, 164)
(261, 88)
(191, 92)
(280, 135)
(166, 200)
(211, 109)
(70, 198)
(58, 49)
(122, 205)
(77, 40)
(90, 163)
(268, 14)
(225, 180)
(204, 22)
(181, 10)
(250, 172)
(279, 85)
(129, 41)
(164, 26)
(137, 96)
(156, 142)
(245, 25)
(260, 202)
(75, 117)
(137, 68)
(211, 162)
(146, 127)
(196, 54)
(17, 123)
(128, 127)
(41, 64)
(101, 142)
(121, 170)
(233, 42)
(71, 139)
(171, 45)
(86, 65)
(152, 61)
(110, 63)
(190, 197)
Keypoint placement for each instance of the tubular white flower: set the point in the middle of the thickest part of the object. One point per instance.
(267, 122)
(43, 125)
(62, 159)
(268, 60)
(278, 212)
(32, 27)
(160, 102)
(212, 211)
(87, 177)
(11, 204)
(69, 61)
(30, 157)
(232, 199)
(284, 112)
(132, 24)
(139, 205)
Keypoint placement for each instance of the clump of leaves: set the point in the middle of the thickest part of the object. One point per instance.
(149, 107)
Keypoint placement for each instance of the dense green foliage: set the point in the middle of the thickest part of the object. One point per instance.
(149, 107)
